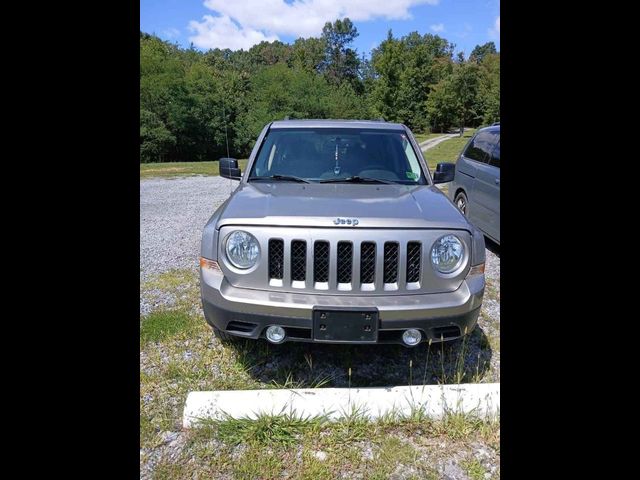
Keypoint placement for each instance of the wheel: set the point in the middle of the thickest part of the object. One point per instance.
(224, 337)
(461, 202)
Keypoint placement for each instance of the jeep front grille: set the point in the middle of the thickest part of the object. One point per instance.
(343, 261)
(350, 261)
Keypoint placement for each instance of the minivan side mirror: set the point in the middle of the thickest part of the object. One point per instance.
(445, 172)
(229, 168)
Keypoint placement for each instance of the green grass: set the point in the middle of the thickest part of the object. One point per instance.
(282, 429)
(448, 150)
(285, 447)
(182, 169)
(161, 325)
(474, 469)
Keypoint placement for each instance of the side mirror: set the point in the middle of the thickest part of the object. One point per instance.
(229, 168)
(445, 172)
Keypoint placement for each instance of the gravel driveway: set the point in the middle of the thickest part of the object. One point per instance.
(172, 215)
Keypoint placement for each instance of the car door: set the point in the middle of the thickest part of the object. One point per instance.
(487, 191)
(472, 159)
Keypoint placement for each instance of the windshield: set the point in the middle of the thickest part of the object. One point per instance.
(323, 154)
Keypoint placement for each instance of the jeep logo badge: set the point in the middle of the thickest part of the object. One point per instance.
(346, 221)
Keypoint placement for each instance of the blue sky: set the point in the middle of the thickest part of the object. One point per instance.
(242, 23)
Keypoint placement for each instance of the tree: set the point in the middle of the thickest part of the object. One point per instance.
(270, 53)
(407, 69)
(155, 140)
(344, 102)
(387, 62)
(308, 54)
(277, 92)
(489, 89)
(465, 81)
(454, 100)
(340, 62)
(481, 51)
(440, 105)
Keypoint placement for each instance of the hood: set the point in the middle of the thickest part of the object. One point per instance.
(338, 205)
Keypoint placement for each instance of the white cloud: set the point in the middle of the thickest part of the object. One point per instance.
(221, 32)
(171, 33)
(266, 19)
(494, 32)
(438, 27)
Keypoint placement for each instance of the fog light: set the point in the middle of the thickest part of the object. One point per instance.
(411, 337)
(275, 334)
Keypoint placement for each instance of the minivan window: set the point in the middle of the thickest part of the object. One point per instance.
(480, 147)
(495, 156)
(333, 154)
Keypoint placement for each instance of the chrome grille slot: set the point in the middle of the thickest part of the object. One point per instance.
(276, 259)
(391, 252)
(345, 262)
(321, 262)
(368, 263)
(414, 258)
(298, 261)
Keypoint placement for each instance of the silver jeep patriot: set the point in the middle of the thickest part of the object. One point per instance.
(338, 234)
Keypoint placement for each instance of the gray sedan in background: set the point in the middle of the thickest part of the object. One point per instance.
(476, 186)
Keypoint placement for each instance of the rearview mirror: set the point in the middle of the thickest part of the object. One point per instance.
(229, 168)
(445, 172)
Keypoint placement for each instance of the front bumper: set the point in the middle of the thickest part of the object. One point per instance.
(247, 313)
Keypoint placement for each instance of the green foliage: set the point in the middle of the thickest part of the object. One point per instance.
(408, 68)
(455, 100)
(155, 139)
(481, 51)
(489, 91)
(308, 54)
(193, 103)
(341, 63)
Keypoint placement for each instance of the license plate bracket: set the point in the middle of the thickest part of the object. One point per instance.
(348, 325)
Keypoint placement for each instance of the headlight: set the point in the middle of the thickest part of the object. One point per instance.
(242, 249)
(447, 253)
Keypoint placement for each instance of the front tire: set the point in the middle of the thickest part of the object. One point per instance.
(462, 203)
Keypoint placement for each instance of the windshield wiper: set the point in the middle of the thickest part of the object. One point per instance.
(288, 178)
(356, 179)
